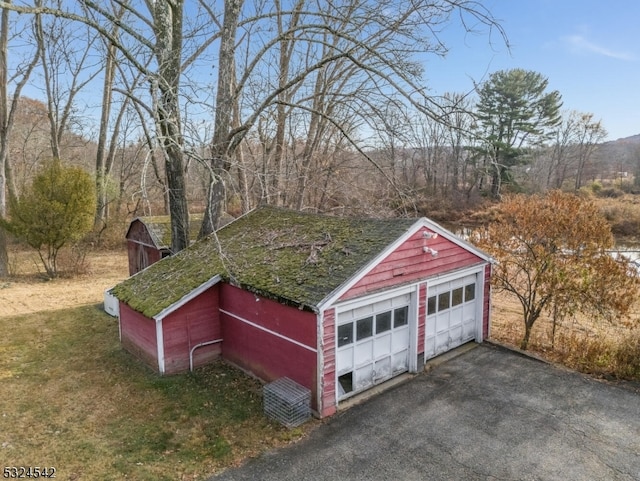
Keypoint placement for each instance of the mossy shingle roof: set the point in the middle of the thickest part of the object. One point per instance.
(295, 258)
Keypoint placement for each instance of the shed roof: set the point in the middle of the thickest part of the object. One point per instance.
(159, 228)
(295, 258)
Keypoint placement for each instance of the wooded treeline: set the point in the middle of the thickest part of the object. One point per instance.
(182, 106)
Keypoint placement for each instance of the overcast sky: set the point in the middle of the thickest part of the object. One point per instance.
(588, 49)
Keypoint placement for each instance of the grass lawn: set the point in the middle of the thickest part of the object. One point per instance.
(74, 400)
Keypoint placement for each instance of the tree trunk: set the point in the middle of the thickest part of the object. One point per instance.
(496, 181)
(524, 344)
(4, 109)
(168, 22)
(286, 46)
(5, 129)
(225, 103)
(7, 113)
(4, 254)
(243, 181)
(101, 161)
(46, 73)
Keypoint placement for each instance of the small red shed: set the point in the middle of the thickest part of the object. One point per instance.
(336, 304)
(149, 240)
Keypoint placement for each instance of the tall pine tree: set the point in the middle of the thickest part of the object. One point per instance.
(514, 113)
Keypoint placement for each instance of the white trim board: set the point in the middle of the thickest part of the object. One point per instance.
(269, 331)
(422, 223)
(188, 297)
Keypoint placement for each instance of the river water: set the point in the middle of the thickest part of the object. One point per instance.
(630, 250)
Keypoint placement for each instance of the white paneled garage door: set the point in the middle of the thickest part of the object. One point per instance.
(372, 344)
(452, 312)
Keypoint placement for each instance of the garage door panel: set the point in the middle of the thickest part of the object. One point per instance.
(382, 369)
(400, 301)
(382, 345)
(400, 340)
(469, 310)
(364, 377)
(455, 333)
(469, 329)
(451, 316)
(442, 339)
(364, 352)
(442, 322)
(361, 312)
(430, 346)
(455, 317)
(400, 361)
(373, 343)
(344, 360)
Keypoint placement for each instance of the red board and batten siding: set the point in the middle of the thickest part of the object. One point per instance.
(139, 233)
(328, 389)
(138, 335)
(269, 339)
(196, 322)
(134, 249)
(486, 308)
(138, 238)
(408, 262)
(422, 316)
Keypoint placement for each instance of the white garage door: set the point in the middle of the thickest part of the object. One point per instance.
(452, 310)
(372, 344)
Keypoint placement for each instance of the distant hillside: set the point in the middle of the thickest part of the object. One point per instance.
(616, 156)
(634, 139)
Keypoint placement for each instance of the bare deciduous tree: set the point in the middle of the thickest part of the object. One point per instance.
(336, 64)
(589, 133)
(8, 108)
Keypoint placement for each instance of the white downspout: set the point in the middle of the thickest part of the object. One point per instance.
(202, 344)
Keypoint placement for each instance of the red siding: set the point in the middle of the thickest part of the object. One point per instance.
(328, 404)
(138, 335)
(486, 308)
(409, 262)
(139, 233)
(151, 254)
(132, 253)
(422, 316)
(196, 322)
(274, 354)
(138, 238)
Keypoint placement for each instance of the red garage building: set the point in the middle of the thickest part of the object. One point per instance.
(336, 304)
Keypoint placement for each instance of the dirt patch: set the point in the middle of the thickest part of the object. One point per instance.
(27, 292)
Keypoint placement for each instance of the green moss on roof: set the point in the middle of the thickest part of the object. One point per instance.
(159, 227)
(292, 257)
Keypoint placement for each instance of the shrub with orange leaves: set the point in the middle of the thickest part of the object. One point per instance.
(551, 253)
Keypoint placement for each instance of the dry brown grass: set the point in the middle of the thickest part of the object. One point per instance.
(610, 350)
(73, 399)
(28, 291)
(623, 213)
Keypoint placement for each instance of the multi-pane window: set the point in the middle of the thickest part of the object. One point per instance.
(345, 334)
(383, 322)
(453, 298)
(469, 292)
(456, 297)
(443, 301)
(401, 316)
(431, 305)
(364, 328)
(368, 326)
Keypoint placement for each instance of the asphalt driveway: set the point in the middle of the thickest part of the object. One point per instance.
(488, 414)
